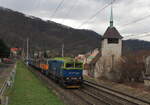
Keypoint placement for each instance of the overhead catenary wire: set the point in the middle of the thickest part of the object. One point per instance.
(107, 5)
(75, 4)
(57, 8)
(97, 13)
(134, 35)
(37, 4)
(146, 35)
(135, 21)
(71, 8)
(85, 22)
(138, 35)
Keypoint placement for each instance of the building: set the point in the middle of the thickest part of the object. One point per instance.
(92, 55)
(106, 62)
(81, 57)
(15, 51)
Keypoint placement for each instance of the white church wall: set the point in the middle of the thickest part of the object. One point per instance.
(108, 68)
(111, 49)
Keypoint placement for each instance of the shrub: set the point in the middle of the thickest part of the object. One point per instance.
(133, 66)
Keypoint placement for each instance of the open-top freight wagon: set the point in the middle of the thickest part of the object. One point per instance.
(64, 70)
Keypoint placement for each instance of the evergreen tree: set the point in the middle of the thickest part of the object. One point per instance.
(4, 50)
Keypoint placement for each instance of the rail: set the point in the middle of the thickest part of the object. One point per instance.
(119, 94)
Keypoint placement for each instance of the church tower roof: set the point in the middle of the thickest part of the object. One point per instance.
(111, 31)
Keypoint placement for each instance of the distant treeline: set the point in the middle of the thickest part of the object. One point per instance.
(16, 27)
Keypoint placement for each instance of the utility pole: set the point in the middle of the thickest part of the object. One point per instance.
(27, 50)
(62, 50)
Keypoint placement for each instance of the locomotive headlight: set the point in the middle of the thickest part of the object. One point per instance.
(67, 78)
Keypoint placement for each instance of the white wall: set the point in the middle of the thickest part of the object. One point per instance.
(107, 67)
(111, 49)
(109, 61)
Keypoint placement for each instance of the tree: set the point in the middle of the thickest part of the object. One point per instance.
(4, 50)
(133, 66)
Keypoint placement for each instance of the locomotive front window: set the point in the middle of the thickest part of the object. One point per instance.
(78, 65)
(69, 65)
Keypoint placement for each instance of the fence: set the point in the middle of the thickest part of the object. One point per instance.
(7, 84)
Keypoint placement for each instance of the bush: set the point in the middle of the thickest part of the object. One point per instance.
(4, 50)
(133, 66)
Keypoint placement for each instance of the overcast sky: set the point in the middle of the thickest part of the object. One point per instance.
(74, 12)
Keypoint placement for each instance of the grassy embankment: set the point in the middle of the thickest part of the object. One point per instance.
(28, 90)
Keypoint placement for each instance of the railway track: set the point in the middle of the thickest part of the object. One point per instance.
(89, 98)
(69, 96)
(112, 97)
(101, 98)
(90, 94)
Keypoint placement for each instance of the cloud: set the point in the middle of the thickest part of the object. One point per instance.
(125, 11)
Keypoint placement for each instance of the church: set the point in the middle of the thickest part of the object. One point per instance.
(107, 62)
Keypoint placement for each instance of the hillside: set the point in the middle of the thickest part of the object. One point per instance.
(16, 27)
(135, 45)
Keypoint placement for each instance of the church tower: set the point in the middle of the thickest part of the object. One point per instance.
(111, 40)
(107, 62)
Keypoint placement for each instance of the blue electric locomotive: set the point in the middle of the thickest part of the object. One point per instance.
(66, 71)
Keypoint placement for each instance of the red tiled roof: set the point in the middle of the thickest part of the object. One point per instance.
(15, 49)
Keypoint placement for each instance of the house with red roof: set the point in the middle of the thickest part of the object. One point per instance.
(15, 51)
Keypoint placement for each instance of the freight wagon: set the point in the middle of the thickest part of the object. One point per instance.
(64, 70)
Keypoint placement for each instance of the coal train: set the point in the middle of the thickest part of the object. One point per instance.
(65, 71)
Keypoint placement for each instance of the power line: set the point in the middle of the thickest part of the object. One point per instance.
(135, 21)
(138, 35)
(146, 35)
(71, 8)
(57, 8)
(97, 13)
(135, 35)
(36, 4)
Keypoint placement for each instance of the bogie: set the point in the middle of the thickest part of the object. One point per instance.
(65, 71)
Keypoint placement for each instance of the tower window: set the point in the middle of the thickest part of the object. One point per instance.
(113, 40)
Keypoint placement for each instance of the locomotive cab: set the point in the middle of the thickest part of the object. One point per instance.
(66, 71)
(73, 73)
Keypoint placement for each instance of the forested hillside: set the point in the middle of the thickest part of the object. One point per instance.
(16, 27)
